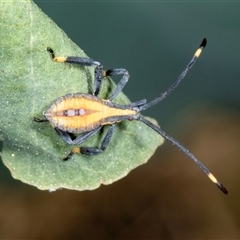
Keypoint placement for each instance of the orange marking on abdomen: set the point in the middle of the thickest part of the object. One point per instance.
(93, 109)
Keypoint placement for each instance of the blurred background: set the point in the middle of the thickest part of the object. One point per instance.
(169, 197)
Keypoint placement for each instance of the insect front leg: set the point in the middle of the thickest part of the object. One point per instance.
(40, 119)
(82, 61)
(87, 62)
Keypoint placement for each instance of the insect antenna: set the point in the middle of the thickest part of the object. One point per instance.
(169, 138)
(179, 79)
(184, 150)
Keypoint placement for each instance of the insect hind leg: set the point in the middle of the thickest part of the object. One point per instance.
(40, 119)
(121, 84)
(93, 150)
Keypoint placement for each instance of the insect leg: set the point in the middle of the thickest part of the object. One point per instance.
(65, 136)
(93, 150)
(40, 119)
(87, 62)
(99, 74)
(137, 104)
(122, 82)
(75, 60)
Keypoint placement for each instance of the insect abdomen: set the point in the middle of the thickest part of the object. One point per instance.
(83, 112)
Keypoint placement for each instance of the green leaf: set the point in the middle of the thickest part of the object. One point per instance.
(30, 82)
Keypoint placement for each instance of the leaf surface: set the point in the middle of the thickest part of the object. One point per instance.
(30, 82)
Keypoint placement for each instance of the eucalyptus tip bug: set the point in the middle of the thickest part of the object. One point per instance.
(86, 114)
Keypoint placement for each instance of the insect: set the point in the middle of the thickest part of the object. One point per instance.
(85, 114)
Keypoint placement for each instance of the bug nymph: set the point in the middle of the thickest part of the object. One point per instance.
(86, 114)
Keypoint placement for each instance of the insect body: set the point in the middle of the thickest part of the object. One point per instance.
(86, 114)
(79, 113)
